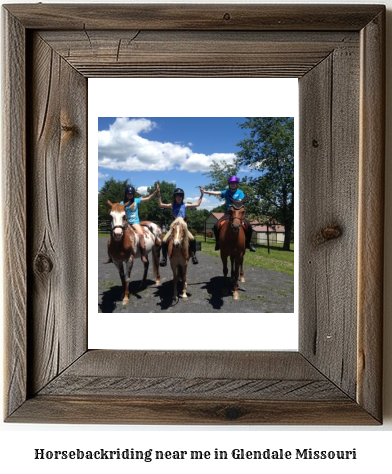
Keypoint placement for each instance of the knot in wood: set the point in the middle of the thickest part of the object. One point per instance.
(233, 413)
(227, 16)
(315, 143)
(69, 128)
(43, 264)
(329, 232)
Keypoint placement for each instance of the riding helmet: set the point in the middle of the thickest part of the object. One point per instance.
(178, 191)
(129, 190)
(233, 179)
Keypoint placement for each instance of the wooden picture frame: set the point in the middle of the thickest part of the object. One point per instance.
(338, 54)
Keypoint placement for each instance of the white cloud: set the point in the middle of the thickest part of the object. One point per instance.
(142, 189)
(122, 148)
(101, 175)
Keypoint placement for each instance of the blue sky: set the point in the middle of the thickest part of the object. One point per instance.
(177, 150)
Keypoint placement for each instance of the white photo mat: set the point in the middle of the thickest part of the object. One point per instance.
(188, 97)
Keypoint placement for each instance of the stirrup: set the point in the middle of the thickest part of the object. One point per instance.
(216, 246)
(250, 247)
(163, 262)
(195, 261)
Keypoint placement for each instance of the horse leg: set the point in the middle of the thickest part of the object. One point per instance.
(184, 285)
(225, 272)
(242, 271)
(235, 293)
(232, 268)
(127, 277)
(143, 283)
(124, 283)
(155, 261)
(175, 283)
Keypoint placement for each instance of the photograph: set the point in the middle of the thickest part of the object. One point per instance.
(196, 214)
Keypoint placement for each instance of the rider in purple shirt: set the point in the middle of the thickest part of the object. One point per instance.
(178, 210)
(232, 193)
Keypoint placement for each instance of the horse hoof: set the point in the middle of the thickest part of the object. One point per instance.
(125, 301)
(184, 297)
(236, 297)
(158, 283)
(175, 300)
(242, 280)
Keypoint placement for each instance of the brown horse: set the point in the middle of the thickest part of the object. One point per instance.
(232, 244)
(123, 246)
(178, 252)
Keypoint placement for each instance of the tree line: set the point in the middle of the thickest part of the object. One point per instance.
(267, 151)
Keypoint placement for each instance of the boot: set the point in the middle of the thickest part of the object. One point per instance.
(250, 247)
(192, 247)
(142, 246)
(248, 243)
(163, 261)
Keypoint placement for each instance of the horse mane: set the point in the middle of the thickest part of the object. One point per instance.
(237, 204)
(180, 221)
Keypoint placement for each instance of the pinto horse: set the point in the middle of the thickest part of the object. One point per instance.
(178, 253)
(232, 244)
(123, 246)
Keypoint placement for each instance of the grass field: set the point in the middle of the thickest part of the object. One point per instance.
(277, 260)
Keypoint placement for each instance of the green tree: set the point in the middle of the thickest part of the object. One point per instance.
(270, 150)
(196, 218)
(150, 211)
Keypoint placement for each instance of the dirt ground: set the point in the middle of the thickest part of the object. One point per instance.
(264, 291)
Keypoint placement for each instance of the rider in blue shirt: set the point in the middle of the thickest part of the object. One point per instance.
(178, 210)
(132, 210)
(234, 193)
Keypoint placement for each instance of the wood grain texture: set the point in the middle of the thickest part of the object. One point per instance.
(155, 411)
(371, 215)
(329, 98)
(195, 53)
(195, 17)
(14, 225)
(338, 53)
(57, 214)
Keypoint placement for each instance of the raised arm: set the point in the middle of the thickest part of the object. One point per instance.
(160, 203)
(212, 193)
(148, 198)
(197, 204)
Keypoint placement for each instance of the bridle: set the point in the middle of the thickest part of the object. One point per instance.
(232, 219)
(122, 227)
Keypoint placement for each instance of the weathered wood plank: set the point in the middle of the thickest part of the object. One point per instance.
(14, 221)
(208, 364)
(57, 409)
(329, 97)
(192, 17)
(122, 53)
(371, 216)
(57, 208)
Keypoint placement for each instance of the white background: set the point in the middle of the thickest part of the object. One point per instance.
(185, 98)
(17, 442)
